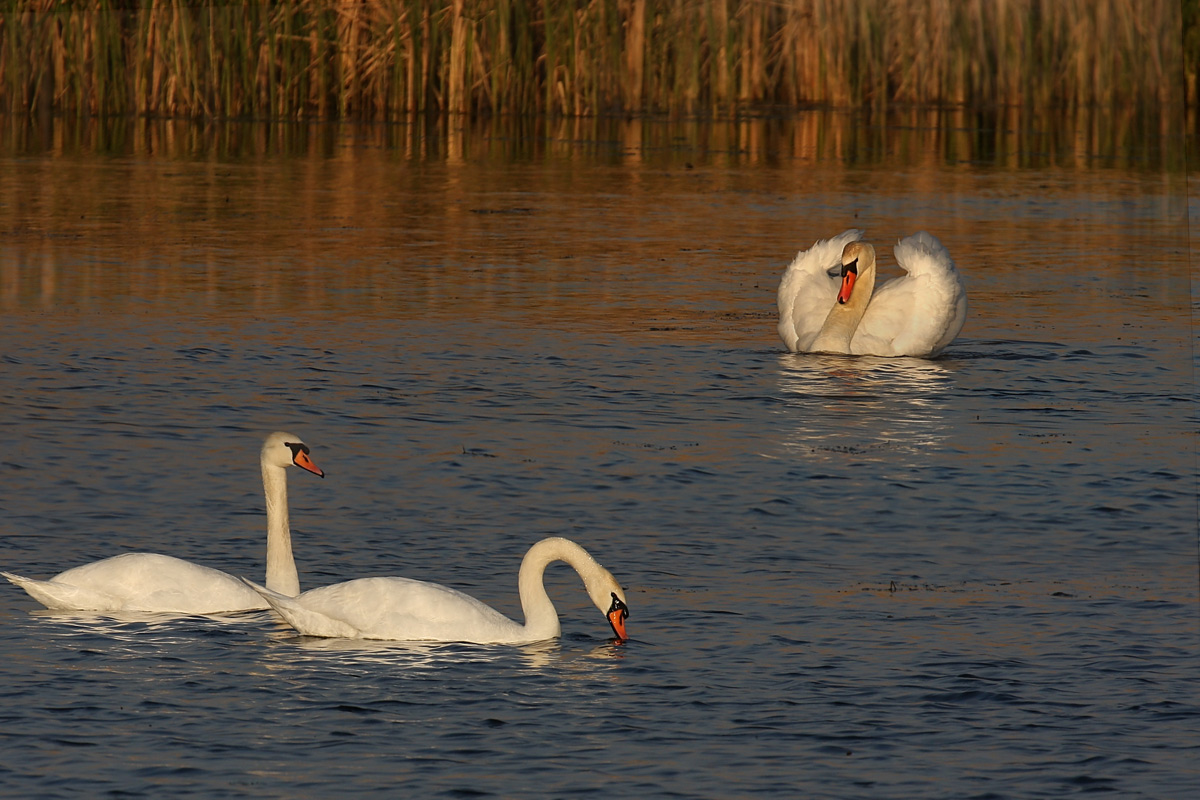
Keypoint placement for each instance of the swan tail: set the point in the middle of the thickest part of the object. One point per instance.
(304, 620)
(59, 596)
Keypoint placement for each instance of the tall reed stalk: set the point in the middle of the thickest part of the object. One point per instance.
(374, 59)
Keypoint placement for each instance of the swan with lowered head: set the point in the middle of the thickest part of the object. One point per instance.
(829, 302)
(154, 582)
(409, 610)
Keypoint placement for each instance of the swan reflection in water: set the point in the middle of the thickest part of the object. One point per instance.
(152, 634)
(859, 405)
(140, 631)
(567, 657)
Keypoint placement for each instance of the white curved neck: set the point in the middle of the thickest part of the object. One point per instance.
(282, 576)
(843, 318)
(541, 618)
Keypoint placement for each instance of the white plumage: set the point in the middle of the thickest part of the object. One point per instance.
(410, 610)
(160, 583)
(917, 314)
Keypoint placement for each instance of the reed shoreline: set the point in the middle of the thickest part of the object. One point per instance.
(377, 60)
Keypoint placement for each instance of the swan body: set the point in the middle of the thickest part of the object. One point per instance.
(160, 583)
(411, 610)
(829, 301)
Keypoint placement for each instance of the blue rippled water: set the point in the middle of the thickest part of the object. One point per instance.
(967, 578)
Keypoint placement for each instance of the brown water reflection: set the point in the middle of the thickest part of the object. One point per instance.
(595, 225)
(1005, 138)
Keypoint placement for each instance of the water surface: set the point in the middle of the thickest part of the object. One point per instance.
(968, 577)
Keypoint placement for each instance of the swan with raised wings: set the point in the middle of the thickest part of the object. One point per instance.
(154, 582)
(410, 610)
(829, 302)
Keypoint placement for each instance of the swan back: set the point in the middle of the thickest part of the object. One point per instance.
(393, 608)
(139, 582)
(809, 287)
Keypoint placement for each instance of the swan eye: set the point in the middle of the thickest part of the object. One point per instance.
(297, 448)
(852, 268)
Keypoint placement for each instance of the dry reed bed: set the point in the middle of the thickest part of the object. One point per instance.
(376, 59)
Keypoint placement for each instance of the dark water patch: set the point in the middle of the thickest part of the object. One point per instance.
(1005, 349)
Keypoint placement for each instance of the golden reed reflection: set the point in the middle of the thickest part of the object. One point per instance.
(611, 223)
(906, 137)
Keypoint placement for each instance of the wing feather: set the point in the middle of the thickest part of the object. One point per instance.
(920, 313)
(807, 290)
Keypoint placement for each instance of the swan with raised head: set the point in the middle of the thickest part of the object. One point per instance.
(410, 610)
(154, 582)
(829, 302)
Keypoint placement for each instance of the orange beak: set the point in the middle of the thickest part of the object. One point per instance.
(618, 612)
(848, 278)
(302, 461)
